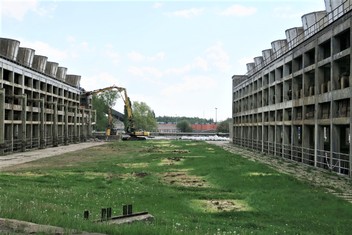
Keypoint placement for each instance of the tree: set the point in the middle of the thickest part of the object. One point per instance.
(101, 103)
(144, 117)
(184, 126)
(223, 126)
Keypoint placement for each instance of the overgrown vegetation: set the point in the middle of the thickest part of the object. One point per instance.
(190, 188)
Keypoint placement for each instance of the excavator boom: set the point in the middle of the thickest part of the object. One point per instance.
(129, 125)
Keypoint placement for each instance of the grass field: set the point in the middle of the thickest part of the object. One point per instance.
(189, 187)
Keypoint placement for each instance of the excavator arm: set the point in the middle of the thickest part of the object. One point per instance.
(129, 128)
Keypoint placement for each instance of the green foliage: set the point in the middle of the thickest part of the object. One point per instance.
(110, 97)
(184, 126)
(57, 190)
(223, 126)
(101, 103)
(191, 120)
(101, 111)
(144, 117)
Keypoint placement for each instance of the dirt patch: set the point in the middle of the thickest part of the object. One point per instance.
(170, 161)
(262, 174)
(156, 149)
(340, 186)
(183, 178)
(217, 206)
(133, 175)
(140, 174)
(134, 165)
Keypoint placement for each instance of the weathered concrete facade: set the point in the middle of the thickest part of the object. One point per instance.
(39, 102)
(295, 100)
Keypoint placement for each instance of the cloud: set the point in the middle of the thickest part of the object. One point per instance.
(287, 12)
(187, 13)
(17, 9)
(201, 63)
(42, 48)
(217, 56)
(135, 56)
(190, 84)
(238, 10)
(139, 57)
(111, 54)
(100, 80)
(145, 71)
(157, 5)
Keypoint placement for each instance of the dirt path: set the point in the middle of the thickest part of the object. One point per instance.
(339, 185)
(18, 158)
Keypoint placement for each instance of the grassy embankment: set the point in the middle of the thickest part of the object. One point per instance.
(190, 188)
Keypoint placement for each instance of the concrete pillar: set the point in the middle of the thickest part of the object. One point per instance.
(66, 125)
(55, 125)
(2, 121)
(75, 127)
(42, 140)
(89, 134)
(335, 139)
(22, 131)
(23, 125)
(83, 126)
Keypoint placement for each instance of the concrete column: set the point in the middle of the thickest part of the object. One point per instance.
(23, 125)
(83, 126)
(66, 126)
(350, 136)
(55, 124)
(22, 131)
(75, 128)
(335, 140)
(42, 140)
(2, 121)
(89, 123)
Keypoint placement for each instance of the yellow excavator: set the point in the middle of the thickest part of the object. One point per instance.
(130, 130)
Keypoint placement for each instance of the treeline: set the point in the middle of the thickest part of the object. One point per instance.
(191, 120)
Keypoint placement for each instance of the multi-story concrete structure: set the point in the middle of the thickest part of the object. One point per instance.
(295, 99)
(39, 102)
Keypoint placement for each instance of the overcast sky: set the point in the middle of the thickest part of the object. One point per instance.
(177, 56)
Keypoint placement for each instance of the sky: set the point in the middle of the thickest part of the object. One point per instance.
(176, 56)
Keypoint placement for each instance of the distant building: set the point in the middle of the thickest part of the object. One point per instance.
(167, 128)
(207, 127)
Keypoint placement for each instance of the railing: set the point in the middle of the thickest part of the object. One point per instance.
(278, 149)
(308, 156)
(337, 162)
(338, 12)
(287, 151)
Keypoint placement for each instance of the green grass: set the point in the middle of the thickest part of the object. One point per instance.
(57, 190)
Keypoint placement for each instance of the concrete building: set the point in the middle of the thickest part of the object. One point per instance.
(295, 100)
(39, 102)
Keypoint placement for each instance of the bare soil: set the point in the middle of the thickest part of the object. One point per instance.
(339, 185)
